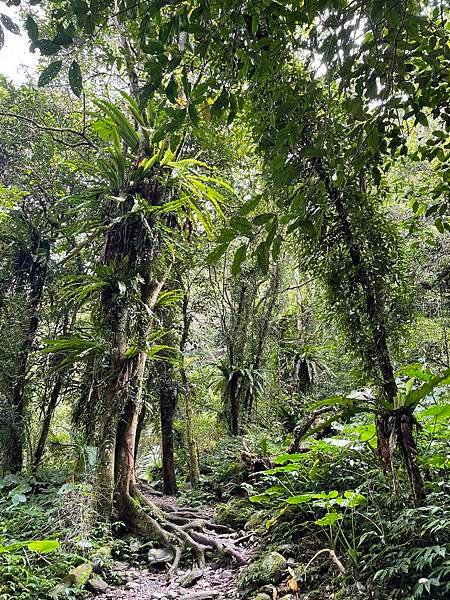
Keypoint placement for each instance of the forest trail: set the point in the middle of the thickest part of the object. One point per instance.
(217, 581)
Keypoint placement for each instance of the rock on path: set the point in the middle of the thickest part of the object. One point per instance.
(217, 583)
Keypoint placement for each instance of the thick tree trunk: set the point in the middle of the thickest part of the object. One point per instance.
(396, 429)
(131, 249)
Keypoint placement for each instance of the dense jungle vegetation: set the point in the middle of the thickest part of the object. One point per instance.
(225, 300)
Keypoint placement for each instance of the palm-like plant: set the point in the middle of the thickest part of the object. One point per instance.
(395, 420)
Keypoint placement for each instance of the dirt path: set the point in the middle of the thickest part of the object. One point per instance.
(216, 583)
(218, 580)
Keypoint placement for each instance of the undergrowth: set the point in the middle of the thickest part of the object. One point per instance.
(44, 533)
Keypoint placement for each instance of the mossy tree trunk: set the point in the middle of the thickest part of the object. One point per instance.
(394, 427)
(33, 273)
(191, 445)
(168, 393)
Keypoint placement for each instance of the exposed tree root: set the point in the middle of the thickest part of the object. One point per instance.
(177, 529)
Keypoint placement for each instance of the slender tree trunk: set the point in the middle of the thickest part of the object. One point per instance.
(167, 404)
(392, 427)
(50, 409)
(140, 428)
(191, 446)
(234, 400)
(409, 450)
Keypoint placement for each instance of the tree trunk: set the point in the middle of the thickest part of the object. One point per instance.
(39, 255)
(389, 429)
(409, 450)
(50, 409)
(139, 429)
(191, 445)
(167, 403)
(233, 397)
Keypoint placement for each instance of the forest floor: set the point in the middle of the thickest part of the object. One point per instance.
(217, 581)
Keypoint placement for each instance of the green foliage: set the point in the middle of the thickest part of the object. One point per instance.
(234, 513)
(39, 543)
(398, 551)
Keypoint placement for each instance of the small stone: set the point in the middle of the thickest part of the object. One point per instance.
(81, 574)
(131, 585)
(97, 585)
(159, 555)
(100, 557)
(119, 566)
(131, 575)
(256, 521)
(191, 577)
(135, 544)
(267, 589)
(273, 566)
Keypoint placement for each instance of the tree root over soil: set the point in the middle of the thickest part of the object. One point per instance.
(177, 529)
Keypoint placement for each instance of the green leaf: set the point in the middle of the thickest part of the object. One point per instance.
(249, 206)
(217, 253)
(283, 458)
(259, 498)
(262, 219)
(32, 28)
(422, 120)
(241, 224)
(262, 257)
(439, 225)
(153, 47)
(193, 114)
(17, 499)
(276, 246)
(75, 79)
(47, 47)
(43, 546)
(226, 235)
(301, 499)
(239, 258)
(172, 90)
(329, 519)
(150, 87)
(312, 152)
(373, 138)
(415, 396)
(439, 412)
(49, 73)
(9, 24)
